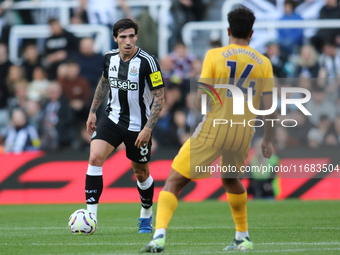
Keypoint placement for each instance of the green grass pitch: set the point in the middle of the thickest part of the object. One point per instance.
(276, 227)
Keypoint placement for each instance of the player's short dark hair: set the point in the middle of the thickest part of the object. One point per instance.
(124, 24)
(241, 21)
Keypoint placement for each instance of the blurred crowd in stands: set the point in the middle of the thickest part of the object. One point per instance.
(44, 101)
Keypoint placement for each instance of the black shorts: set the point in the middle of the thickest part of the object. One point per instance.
(114, 134)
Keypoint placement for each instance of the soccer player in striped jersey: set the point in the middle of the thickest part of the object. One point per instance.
(239, 65)
(134, 82)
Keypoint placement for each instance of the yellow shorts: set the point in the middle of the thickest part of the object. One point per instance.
(194, 157)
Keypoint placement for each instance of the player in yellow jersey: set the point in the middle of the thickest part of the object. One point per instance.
(242, 67)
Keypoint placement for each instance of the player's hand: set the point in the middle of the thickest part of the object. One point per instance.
(267, 149)
(91, 123)
(143, 138)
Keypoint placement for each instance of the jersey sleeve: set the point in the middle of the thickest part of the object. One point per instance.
(207, 73)
(269, 83)
(153, 74)
(106, 66)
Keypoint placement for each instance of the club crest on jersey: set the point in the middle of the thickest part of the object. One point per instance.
(123, 84)
(114, 69)
(133, 71)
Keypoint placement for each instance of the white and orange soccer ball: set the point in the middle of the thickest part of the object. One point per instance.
(82, 222)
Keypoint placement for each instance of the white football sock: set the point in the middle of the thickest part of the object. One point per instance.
(160, 231)
(93, 208)
(94, 170)
(241, 235)
(146, 184)
(146, 213)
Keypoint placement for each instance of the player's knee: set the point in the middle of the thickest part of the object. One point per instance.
(96, 159)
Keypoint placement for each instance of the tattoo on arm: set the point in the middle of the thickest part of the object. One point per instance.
(101, 91)
(156, 108)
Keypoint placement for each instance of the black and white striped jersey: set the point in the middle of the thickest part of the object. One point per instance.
(131, 83)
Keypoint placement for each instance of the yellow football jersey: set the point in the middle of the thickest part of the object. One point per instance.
(243, 67)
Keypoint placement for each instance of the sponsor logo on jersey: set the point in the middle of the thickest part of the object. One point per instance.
(114, 69)
(156, 79)
(123, 84)
(133, 71)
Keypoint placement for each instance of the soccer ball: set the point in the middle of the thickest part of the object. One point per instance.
(82, 222)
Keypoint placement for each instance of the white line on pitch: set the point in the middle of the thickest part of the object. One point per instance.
(217, 227)
(187, 244)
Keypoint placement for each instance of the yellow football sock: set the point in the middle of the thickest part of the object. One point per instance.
(167, 203)
(238, 207)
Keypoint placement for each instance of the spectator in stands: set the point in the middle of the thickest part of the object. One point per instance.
(4, 26)
(21, 136)
(183, 11)
(325, 125)
(330, 59)
(298, 134)
(58, 47)
(319, 105)
(331, 10)
(77, 91)
(102, 12)
(331, 140)
(329, 73)
(5, 64)
(4, 113)
(165, 132)
(196, 69)
(182, 61)
(90, 63)
(15, 74)
(62, 71)
(183, 65)
(308, 66)
(20, 95)
(34, 113)
(57, 126)
(331, 136)
(193, 115)
(167, 66)
(315, 138)
(180, 124)
(37, 88)
(337, 128)
(290, 39)
(31, 60)
(281, 138)
(278, 61)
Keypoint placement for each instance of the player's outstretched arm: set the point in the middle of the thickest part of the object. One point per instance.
(157, 106)
(102, 89)
(269, 127)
